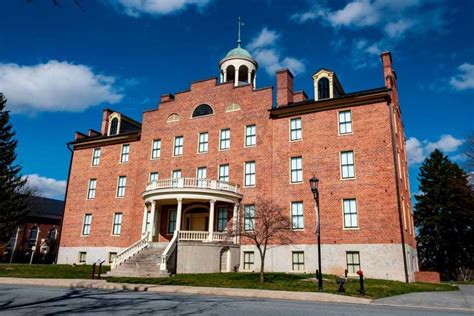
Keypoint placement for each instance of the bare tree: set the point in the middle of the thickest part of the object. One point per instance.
(469, 152)
(263, 224)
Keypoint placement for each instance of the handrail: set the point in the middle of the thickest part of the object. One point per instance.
(130, 251)
(194, 183)
(169, 251)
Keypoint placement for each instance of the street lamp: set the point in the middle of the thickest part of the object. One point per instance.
(314, 188)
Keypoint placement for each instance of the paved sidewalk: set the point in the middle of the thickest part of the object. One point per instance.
(102, 284)
(455, 300)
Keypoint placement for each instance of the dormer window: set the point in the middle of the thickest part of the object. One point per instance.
(323, 88)
(114, 126)
(203, 110)
(326, 85)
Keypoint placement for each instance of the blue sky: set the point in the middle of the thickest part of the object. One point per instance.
(59, 67)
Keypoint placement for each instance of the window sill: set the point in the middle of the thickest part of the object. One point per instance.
(351, 228)
(295, 140)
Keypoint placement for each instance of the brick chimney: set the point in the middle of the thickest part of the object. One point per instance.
(389, 75)
(105, 121)
(284, 87)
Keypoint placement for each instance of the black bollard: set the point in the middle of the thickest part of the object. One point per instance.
(361, 281)
(93, 271)
(317, 275)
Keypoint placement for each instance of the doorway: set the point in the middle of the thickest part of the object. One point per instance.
(197, 219)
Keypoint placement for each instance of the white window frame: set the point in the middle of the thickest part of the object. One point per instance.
(344, 124)
(91, 188)
(95, 157)
(201, 175)
(80, 256)
(350, 213)
(178, 148)
(222, 220)
(346, 166)
(296, 170)
(224, 143)
(156, 149)
(125, 153)
(111, 256)
(147, 221)
(224, 173)
(121, 186)
(203, 142)
(251, 135)
(297, 215)
(299, 262)
(249, 260)
(249, 217)
(296, 132)
(171, 216)
(117, 224)
(350, 262)
(154, 176)
(86, 224)
(250, 174)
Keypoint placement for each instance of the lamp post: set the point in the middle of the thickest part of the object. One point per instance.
(314, 188)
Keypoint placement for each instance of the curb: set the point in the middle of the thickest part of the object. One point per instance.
(213, 291)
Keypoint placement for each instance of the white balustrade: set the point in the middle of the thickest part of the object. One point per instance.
(168, 251)
(190, 235)
(193, 183)
(130, 251)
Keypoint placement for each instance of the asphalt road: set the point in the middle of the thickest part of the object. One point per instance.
(21, 300)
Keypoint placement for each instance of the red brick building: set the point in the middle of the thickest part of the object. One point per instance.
(172, 186)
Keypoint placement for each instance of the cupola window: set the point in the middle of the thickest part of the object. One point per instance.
(323, 88)
(202, 110)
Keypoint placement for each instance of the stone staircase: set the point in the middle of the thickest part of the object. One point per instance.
(144, 264)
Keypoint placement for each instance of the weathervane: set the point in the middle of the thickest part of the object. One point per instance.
(238, 37)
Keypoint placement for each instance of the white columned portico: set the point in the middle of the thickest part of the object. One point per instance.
(153, 217)
(234, 221)
(178, 214)
(144, 228)
(211, 219)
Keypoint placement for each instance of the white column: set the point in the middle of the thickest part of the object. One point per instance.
(145, 211)
(178, 214)
(221, 78)
(236, 78)
(249, 78)
(225, 76)
(255, 81)
(211, 219)
(153, 211)
(234, 221)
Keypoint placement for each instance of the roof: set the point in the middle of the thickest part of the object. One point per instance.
(46, 208)
(238, 52)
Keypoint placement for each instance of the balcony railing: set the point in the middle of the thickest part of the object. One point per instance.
(189, 235)
(192, 183)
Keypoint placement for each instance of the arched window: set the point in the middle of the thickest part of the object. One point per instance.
(52, 233)
(323, 88)
(203, 109)
(33, 235)
(173, 118)
(114, 126)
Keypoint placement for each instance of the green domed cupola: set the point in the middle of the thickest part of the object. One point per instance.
(238, 65)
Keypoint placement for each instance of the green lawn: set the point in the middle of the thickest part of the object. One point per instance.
(290, 282)
(49, 271)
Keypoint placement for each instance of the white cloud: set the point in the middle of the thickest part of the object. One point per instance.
(418, 150)
(465, 78)
(386, 21)
(265, 38)
(136, 8)
(268, 55)
(47, 187)
(55, 86)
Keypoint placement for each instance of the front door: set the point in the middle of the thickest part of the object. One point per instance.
(198, 222)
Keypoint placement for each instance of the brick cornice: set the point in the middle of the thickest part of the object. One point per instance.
(310, 106)
(91, 142)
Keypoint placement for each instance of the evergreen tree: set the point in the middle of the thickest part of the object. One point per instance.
(14, 194)
(444, 217)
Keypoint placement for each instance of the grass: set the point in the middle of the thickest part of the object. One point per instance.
(48, 271)
(274, 281)
(290, 282)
